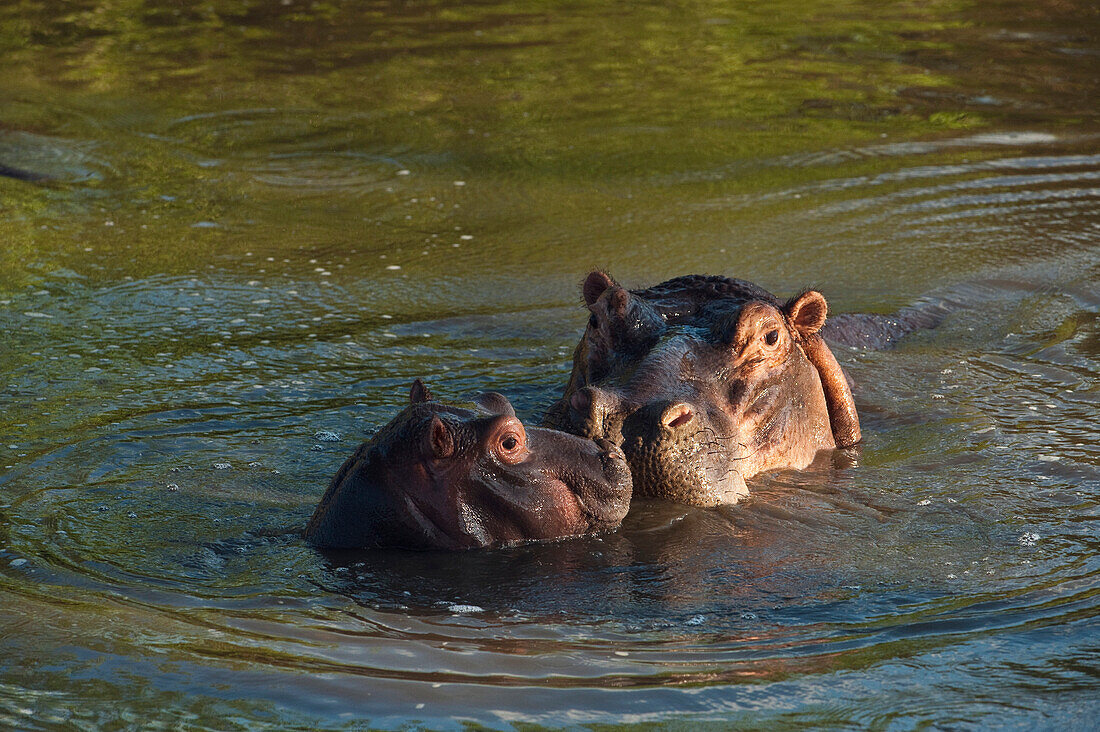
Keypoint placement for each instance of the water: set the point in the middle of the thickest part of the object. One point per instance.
(262, 221)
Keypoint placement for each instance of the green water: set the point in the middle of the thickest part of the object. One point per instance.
(259, 221)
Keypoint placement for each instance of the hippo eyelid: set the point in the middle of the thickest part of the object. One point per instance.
(509, 441)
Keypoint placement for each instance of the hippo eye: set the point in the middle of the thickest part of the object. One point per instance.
(510, 443)
(771, 337)
(592, 322)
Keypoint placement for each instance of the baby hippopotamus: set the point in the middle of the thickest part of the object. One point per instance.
(442, 477)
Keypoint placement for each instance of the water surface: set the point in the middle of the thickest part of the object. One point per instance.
(258, 222)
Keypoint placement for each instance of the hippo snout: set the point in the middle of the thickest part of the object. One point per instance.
(614, 461)
(677, 449)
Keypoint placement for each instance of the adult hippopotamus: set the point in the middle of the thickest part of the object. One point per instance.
(705, 382)
(443, 477)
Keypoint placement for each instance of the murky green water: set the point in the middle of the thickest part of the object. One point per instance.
(261, 220)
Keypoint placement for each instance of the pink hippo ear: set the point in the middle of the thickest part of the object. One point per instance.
(438, 441)
(807, 312)
(419, 393)
(594, 286)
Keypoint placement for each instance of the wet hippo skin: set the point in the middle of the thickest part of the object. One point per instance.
(705, 382)
(443, 477)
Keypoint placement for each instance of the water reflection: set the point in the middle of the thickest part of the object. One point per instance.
(260, 222)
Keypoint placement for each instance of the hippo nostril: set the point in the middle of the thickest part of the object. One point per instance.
(581, 401)
(609, 447)
(677, 416)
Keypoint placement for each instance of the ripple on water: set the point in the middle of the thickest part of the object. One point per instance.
(153, 524)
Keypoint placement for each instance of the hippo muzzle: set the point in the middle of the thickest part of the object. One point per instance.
(675, 449)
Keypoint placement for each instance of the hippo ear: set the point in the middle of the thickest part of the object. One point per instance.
(438, 441)
(495, 403)
(807, 312)
(419, 393)
(594, 286)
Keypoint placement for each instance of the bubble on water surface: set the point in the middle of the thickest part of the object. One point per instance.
(326, 436)
(1029, 539)
(463, 609)
(222, 466)
(172, 487)
(696, 620)
(17, 562)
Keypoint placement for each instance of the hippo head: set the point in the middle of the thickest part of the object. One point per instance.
(442, 477)
(705, 382)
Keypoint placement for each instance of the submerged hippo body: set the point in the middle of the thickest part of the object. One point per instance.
(442, 477)
(19, 174)
(705, 382)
